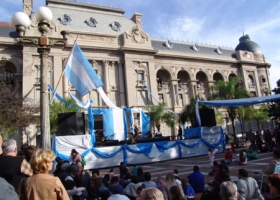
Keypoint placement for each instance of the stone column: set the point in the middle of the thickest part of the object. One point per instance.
(121, 85)
(106, 77)
(174, 89)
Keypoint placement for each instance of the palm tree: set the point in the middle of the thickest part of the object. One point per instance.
(158, 114)
(188, 113)
(222, 90)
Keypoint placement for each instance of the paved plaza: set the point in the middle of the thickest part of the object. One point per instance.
(185, 166)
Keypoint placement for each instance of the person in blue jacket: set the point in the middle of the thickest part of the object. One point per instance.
(196, 180)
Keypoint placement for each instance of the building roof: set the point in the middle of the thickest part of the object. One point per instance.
(245, 44)
(8, 30)
(87, 17)
(177, 46)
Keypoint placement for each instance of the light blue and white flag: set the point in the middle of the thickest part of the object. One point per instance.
(80, 72)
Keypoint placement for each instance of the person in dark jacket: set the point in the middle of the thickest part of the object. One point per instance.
(12, 167)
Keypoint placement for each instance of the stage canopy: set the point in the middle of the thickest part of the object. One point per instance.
(236, 103)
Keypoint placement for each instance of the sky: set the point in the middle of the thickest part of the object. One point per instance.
(215, 22)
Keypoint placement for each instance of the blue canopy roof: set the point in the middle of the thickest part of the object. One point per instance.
(236, 103)
(241, 102)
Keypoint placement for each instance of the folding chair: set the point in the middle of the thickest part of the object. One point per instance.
(276, 170)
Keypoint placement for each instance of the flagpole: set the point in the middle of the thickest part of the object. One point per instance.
(63, 71)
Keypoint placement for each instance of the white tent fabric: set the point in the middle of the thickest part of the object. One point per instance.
(118, 124)
(107, 101)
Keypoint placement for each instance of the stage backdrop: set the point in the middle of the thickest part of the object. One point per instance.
(138, 153)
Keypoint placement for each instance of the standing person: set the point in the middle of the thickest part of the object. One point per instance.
(121, 168)
(180, 133)
(12, 167)
(43, 185)
(197, 180)
(211, 155)
(77, 158)
(247, 186)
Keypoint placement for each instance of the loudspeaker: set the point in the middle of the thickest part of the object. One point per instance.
(111, 142)
(207, 117)
(72, 123)
(122, 142)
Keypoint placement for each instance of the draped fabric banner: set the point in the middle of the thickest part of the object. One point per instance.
(138, 153)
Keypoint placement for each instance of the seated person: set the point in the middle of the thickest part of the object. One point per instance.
(252, 155)
(242, 158)
(269, 169)
(197, 180)
(228, 156)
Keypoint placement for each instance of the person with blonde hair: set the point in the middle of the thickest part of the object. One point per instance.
(43, 185)
(151, 194)
(169, 182)
(228, 191)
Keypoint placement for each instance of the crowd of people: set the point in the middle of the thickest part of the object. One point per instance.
(25, 174)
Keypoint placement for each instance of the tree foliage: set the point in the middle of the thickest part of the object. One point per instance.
(15, 113)
(67, 105)
(159, 113)
(274, 107)
(257, 114)
(188, 112)
(222, 90)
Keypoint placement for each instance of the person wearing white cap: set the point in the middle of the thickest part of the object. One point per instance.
(118, 197)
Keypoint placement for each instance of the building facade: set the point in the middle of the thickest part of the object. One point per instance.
(135, 68)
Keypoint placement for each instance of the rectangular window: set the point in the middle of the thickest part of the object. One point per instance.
(114, 97)
(37, 96)
(94, 96)
(160, 98)
(140, 76)
(253, 94)
(180, 97)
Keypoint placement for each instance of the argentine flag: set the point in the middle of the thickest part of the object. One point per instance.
(80, 72)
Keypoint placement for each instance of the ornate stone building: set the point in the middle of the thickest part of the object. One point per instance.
(127, 59)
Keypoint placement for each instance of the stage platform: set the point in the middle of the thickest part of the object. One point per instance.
(138, 153)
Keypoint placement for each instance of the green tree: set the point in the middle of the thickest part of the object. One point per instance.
(257, 114)
(223, 90)
(159, 114)
(16, 113)
(188, 112)
(274, 107)
(68, 105)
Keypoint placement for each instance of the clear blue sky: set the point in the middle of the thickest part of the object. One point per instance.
(216, 22)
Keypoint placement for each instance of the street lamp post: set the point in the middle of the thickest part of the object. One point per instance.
(21, 21)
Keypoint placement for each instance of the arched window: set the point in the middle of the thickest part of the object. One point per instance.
(6, 77)
(250, 80)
